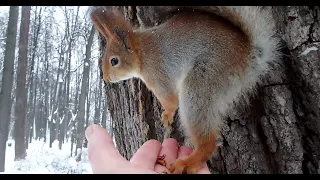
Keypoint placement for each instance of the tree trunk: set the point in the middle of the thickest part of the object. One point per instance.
(83, 95)
(46, 96)
(85, 144)
(21, 100)
(34, 104)
(104, 117)
(277, 133)
(54, 123)
(7, 81)
(38, 116)
(61, 107)
(32, 87)
(97, 104)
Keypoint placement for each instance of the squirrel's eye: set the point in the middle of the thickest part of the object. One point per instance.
(114, 61)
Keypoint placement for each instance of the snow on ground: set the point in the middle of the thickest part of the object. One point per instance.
(44, 160)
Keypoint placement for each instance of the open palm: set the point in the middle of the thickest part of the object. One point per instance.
(105, 158)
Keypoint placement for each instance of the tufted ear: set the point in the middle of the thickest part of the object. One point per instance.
(123, 36)
(112, 25)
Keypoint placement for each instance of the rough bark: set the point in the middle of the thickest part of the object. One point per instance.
(7, 81)
(278, 132)
(104, 116)
(21, 100)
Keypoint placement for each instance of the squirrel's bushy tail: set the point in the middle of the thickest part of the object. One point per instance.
(256, 22)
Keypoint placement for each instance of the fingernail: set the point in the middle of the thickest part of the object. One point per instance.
(89, 132)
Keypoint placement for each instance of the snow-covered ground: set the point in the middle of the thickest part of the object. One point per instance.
(44, 160)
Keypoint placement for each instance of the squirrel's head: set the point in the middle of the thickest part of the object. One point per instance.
(120, 60)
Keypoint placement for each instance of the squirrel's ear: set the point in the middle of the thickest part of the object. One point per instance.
(111, 24)
(123, 36)
(100, 22)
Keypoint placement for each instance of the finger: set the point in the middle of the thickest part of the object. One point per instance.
(161, 169)
(147, 154)
(102, 154)
(170, 151)
(186, 151)
(204, 169)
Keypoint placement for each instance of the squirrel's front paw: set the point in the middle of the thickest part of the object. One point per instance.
(167, 118)
(185, 166)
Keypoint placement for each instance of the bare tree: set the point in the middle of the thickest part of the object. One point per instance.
(37, 23)
(21, 101)
(83, 94)
(98, 99)
(72, 36)
(7, 81)
(3, 21)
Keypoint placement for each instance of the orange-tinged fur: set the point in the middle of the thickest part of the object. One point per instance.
(117, 46)
(169, 105)
(204, 148)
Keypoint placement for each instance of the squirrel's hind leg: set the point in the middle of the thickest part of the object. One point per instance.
(198, 118)
(204, 147)
(169, 105)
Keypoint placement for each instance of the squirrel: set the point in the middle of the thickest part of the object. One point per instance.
(202, 59)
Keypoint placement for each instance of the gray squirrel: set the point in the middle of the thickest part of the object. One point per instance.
(202, 59)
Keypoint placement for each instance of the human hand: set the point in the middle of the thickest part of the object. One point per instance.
(105, 158)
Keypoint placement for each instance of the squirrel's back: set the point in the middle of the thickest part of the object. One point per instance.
(182, 40)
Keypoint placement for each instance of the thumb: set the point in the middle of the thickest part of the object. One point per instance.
(102, 154)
